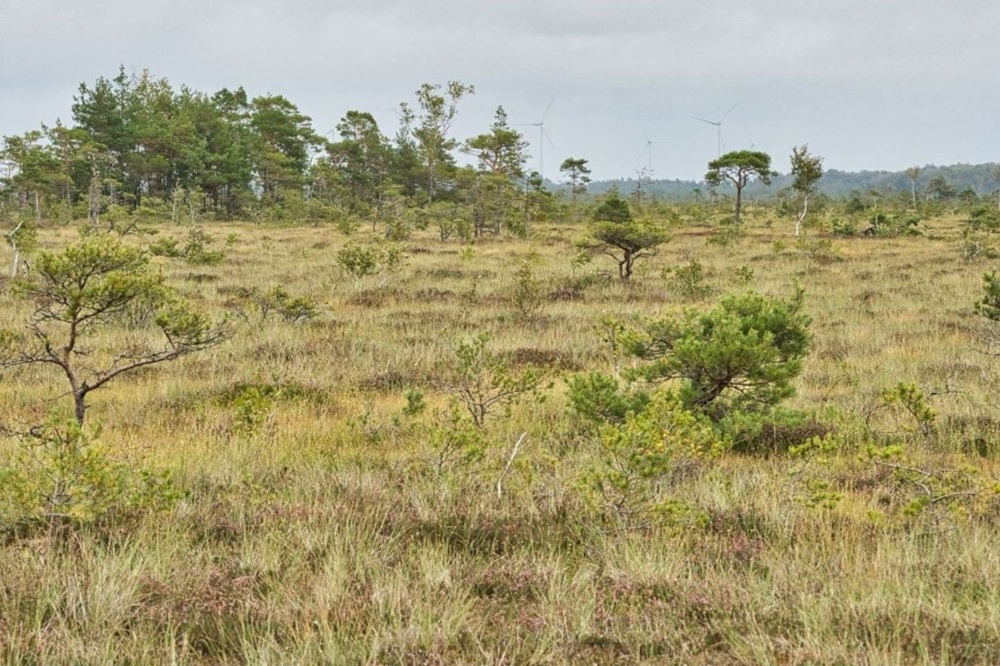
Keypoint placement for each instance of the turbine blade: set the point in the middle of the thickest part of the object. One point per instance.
(729, 111)
(546, 134)
(710, 122)
(547, 109)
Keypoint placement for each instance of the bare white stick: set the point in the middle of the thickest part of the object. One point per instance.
(510, 461)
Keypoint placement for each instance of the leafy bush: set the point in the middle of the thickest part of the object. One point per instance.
(775, 431)
(275, 301)
(166, 247)
(195, 251)
(360, 261)
(984, 218)
(731, 366)
(979, 245)
(740, 356)
(483, 380)
(526, 296)
(989, 305)
(253, 409)
(456, 442)
(689, 280)
(639, 457)
(600, 398)
(61, 476)
(884, 224)
(820, 250)
(846, 227)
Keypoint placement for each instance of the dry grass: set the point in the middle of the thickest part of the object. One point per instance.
(326, 534)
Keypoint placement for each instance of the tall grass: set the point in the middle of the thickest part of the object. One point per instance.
(324, 532)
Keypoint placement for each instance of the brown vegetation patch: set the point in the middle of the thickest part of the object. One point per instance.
(202, 277)
(393, 381)
(374, 298)
(544, 358)
(434, 294)
(509, 581)
(566, 294)
(211, 607)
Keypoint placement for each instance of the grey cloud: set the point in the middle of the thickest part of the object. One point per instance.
(876, 85)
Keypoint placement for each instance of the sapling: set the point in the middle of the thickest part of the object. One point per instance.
(85, 288)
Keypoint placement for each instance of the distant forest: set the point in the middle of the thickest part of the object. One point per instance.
(936, 182)
(137, 146)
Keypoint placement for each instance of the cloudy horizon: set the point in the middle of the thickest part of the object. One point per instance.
(867, 87)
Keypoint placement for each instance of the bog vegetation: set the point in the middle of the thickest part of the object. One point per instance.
(378, 407)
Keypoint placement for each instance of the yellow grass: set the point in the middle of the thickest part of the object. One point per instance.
(327, 536)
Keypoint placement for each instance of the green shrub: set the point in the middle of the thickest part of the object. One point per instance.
(196, 251)
(989, 305)
(740, 356)
(846, 227)
(984, 218)
(689, 280)
(253, 409)
(526, 294)
(639, 458)
(276, 301)
(166, 247)
(600, 398)
(775, 431)
(61, 476)
(483, 380)
(359, 261)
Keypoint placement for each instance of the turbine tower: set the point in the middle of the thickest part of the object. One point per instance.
(753, 144)
(718, 125)
(647, 149)
(542, 137)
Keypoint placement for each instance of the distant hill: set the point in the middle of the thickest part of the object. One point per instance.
(980, 178)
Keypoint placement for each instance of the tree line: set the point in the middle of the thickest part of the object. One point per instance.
(139, 146)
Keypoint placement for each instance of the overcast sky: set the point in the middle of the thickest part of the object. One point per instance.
(868, 85)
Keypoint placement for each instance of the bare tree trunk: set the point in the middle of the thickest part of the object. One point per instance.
(173, 206)
(94, 196)
(12, 239)
(802, 215)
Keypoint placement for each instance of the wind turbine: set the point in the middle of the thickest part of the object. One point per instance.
(542, 136)
(753, 144)
(648, 148)
(718, 125)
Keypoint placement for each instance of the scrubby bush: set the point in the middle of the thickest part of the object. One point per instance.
(526, 293)
(688, 280)
(276, 301)
(639, 458)
(740, 356)
(359, 261)
(731, 365)
(600, 398)
(61, 476)
(483, 380)
(616, 234)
